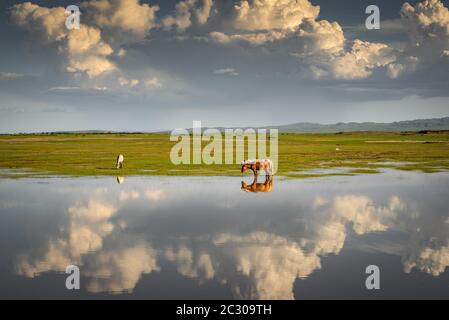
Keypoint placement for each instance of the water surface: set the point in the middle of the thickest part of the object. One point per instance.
(206, 237)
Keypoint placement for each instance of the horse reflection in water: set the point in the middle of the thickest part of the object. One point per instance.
(120, 179)
(266, 186)
(256, 166)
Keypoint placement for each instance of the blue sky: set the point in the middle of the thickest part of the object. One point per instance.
(149, 65)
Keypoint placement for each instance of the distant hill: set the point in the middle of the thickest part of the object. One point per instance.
(412, 125)
(440, 124)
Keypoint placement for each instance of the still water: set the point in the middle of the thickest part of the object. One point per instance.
(215, 238)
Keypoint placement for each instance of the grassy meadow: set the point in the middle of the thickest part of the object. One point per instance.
(300, 155)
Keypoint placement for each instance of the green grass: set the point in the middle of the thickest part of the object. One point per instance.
(148, 154)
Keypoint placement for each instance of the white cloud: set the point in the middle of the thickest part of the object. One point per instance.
(88, 225)
(273, 14)
(433, 261)
(361, 60)
(227, 71)
(321, 37)
(154, 83)
(321, 45)
(154, 195)
(426, 21)
(123, 15)
(407, 64)
(270, 264)
(256, 39)
(363, 215)
(10, 76)
(317, 43)
(182, 18)
(83, 48)
(190, 265)
(203, 13)
(124, 82)
(121, 53)
(87, 52)
(427, 25)
(49, 20)
(128, 195)
(119, 270)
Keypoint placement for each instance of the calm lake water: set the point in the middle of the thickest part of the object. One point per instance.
(206, 237)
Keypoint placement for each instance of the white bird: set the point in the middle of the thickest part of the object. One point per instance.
(120, 159)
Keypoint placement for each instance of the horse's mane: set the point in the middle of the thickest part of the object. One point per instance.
(250, 161)
(253, 161)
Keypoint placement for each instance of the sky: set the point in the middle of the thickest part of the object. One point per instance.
(156, 65)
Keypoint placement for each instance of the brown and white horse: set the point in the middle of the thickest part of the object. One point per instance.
(257, 165)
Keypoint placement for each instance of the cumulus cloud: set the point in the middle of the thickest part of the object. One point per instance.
(273, 14)
(433, 261)
(83, 48)
(404, 65)
(262, 263)
(364, 215)
(88, 225)
(321, 36)
(119, 270)
(114, 268)
(87, 49)
(426, 21)
(265, 265)
(87, 52)
(322, 46)
(124, 15)
(190, 264)
(361, 60)
(182, 18)
(202, 13)
(427, 25)
(288, 26)
(266, 21)
(50, 21)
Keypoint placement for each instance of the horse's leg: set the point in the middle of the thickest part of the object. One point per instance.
(270, 172)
